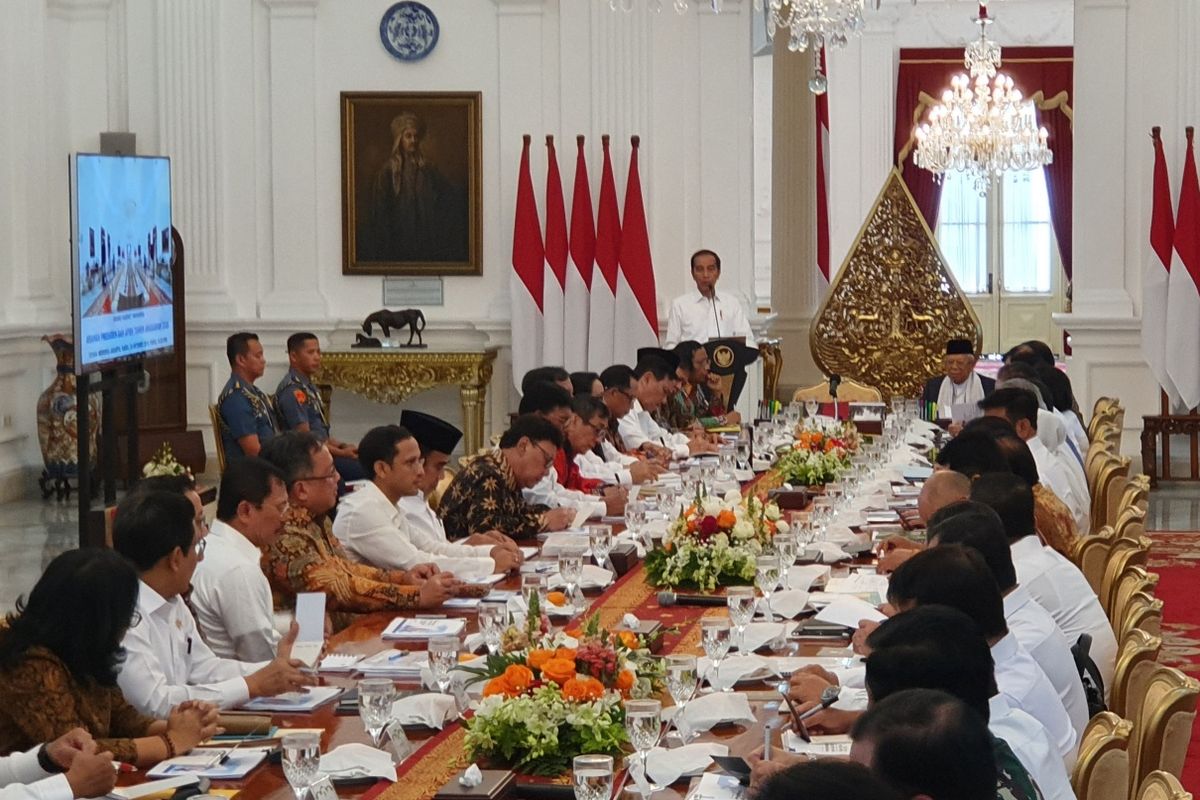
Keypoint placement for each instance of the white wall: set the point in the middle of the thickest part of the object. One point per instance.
(243, 95)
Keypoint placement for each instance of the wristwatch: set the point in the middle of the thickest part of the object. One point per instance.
(47, 763)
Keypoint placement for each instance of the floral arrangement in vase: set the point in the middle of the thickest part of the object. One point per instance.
(550, 697)
(820, 454)
(713, 542)
(163, 463)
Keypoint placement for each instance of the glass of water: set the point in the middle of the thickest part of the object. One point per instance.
(727, 452)
(741, 602)
(375, 696)
(570, 567)
(593, 777)
(811, 407)
(714, 638)
(301, 758)
(766, 576)
(600, 540)
(534, 584)
(643, 723)
(681, 683)
(443, 657)
(493, 616)
(635, 516)
(788, 548)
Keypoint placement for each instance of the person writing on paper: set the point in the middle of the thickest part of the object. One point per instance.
(375, 531)
(704, 314)
(638, 429)
(961, 386)
(166, 660)
(940, 490)
(307, 557)
(609, 460)
(59, 658)
(698, 398)
(486, 494)
(70, 766)
(231, 597)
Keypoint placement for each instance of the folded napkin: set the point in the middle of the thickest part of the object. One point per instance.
(432, 710)
(839, 533)
(358, 761)
(826, 552)
(759, 633)
(804, 577)
(848, 611)
(473, 641)
(717, 708)
(732, 670)
(858, 583)
(557, 542)
(591, 578)
(667, 766)
(788, 603)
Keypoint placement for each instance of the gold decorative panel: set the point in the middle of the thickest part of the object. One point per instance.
(893, 304)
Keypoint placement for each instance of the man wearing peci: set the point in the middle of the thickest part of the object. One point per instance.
(961, 385)
(703, 314)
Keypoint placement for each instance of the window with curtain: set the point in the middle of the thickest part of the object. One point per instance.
(1007, 233)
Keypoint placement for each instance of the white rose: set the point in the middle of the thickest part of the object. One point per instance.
(772, 512)
(720, 540)
(733, 497)
(743, 530)
(782, 526)
(711, 506)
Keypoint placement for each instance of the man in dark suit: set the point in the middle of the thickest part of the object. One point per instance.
(961, 385)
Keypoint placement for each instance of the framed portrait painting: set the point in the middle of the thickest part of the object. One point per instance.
(411, 183)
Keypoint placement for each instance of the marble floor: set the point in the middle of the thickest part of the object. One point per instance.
(33, 532)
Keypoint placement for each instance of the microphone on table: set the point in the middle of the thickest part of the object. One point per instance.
(669, 598)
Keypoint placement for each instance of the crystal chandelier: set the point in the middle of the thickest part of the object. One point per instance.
(983, 126)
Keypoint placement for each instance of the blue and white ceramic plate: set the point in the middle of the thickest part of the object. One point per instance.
(409, 30)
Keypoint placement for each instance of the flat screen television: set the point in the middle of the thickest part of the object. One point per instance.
(121, 259)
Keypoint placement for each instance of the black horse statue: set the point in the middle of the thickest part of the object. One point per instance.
(387, 320)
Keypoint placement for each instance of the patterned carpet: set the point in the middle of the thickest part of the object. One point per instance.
(1175, 557)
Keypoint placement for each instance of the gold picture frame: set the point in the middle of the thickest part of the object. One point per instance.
(412, 183)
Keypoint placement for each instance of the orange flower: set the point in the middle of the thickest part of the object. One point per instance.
(559, 670)
(625, 681)
(629, 639)
(519, 677)
(557, 598)
(538, 658)
(726, 519)
(582, 690)
(574, 633)
(498, 685)
(565, 652)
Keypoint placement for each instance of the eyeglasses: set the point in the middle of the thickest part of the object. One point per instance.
(201, 545)
(329, 476)
(549, 457)
(280, 508)
(599, 430)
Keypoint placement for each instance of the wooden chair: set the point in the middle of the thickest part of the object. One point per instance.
(1134, 579)
(1130, 523)
(1162, 723)
(1135, 662)
(435, 499)
(1124, 553)
(1142, 612)
(1097, 458)
(1091, 556)
(1160, 785)
(1102, 770)
(1108, 480)
(214, 414)
(848, 392)
(1095, 428)
(1114, 495)
(1137, 492)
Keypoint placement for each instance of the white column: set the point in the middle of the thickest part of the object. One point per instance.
(295, 284)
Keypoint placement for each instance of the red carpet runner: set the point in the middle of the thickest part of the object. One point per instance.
(1175, 557)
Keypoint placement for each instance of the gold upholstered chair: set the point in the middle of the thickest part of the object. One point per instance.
(214, 415)
(1111, 478)
(1137, 492)
(1142, 611)
(1162, 723)
(1160, 785)
(1135, 662)
(1130, 523)
(848, 392)
(1091, 556)
(1124, 553)
(1102, 770)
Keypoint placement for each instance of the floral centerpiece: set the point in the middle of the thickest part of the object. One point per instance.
(546, 702)
(820, 454)
(713, 542)
(164, 463)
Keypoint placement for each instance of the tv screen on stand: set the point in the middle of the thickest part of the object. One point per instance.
(121, 259)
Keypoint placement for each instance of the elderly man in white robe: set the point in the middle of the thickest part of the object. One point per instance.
(962, 387)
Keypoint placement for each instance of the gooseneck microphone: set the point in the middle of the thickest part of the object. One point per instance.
(669, 598)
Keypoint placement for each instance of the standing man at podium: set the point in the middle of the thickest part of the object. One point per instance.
(703, 314)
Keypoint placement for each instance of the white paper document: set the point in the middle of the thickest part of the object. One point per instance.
(206, 763)
(423, 627)
(848, 611)
(294, 702)
(310, 614)
(835, 745)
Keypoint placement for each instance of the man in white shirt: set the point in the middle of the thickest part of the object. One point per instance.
(703, 314)
(1020, 408)
(375, 531)
(977, 526)
(437, 440)
(167, 661)
(639, 431)
(608, 461)
(1053, 581)
(231, 596)
(60, 770)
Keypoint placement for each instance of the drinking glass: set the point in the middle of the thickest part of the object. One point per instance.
(635, 516)
(493, 615)
(681, 683)
(301, 758)
(668, 497)
(375, 697)
(743, 454)
(787, 547)
(443, 657)
(727, 452)
(811, 407)
(741, 602)
(766, 576)
(593, 777)
(600, 540)
(714, 638)
(532, 583)
(570, 567)
(643, 723)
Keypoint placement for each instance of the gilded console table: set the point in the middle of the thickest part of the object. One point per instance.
(389, 375)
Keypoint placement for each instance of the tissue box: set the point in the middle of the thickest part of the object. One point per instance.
(497, 784)
(623, 557)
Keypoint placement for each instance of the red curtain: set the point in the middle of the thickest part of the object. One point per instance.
(1033, 69)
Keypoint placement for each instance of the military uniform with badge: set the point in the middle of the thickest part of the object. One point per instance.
(300, 403)
(245, 411)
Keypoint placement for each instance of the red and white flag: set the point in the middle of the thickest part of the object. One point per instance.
(1156, 276)
(604, 279)
(822, 103)
(637, 304)
(554, 288)
(525, 286)
(579, 270)
(1183, 294)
